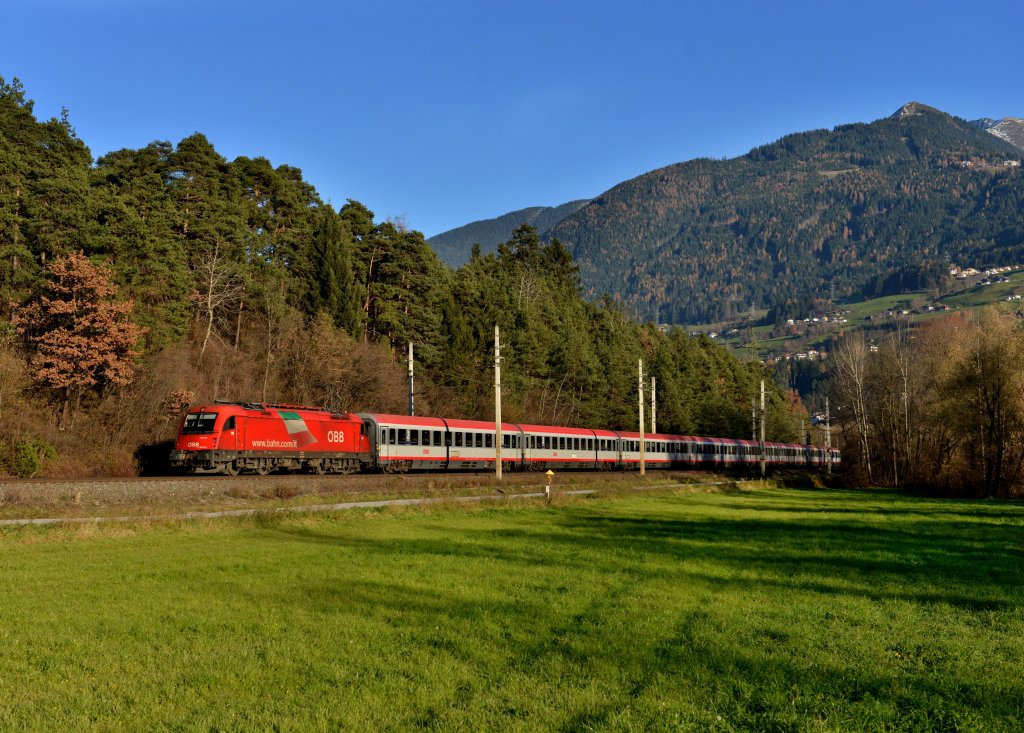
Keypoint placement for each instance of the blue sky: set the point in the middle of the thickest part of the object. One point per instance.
(446, 112)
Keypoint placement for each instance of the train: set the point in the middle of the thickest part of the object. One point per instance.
(260, 438)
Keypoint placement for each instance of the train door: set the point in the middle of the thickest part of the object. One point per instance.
(520, 449)
(230, 438)
(384, 442)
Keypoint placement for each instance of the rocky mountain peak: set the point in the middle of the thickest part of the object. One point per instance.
(912, 109)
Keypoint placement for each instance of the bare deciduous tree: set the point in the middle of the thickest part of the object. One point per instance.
(851, 360)
(220, 290)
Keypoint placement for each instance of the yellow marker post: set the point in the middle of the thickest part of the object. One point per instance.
(547, 489)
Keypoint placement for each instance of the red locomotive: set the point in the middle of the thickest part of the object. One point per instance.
(231, 437)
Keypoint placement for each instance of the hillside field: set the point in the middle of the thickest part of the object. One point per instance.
(872, 313)
(753, 609)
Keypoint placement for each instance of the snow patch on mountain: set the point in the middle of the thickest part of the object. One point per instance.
(1010, 129)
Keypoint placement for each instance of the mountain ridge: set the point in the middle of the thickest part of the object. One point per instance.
(682, 243)
(453, 246)
(863, 208)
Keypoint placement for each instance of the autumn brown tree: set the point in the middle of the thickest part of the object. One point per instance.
(80, 335)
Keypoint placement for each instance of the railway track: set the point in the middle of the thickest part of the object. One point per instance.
(331, 507)
(356, 480)
(192, 496)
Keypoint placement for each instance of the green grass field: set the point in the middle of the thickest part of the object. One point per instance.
(774, 609)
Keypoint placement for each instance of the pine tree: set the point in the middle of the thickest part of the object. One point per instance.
(330, 287)
(43, 190)
(132, 222)
(210, 224)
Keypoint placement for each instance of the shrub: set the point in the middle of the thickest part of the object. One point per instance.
(28, 456)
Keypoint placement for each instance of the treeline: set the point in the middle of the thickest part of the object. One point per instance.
(941, 408)
(200, 278)
(859, 211)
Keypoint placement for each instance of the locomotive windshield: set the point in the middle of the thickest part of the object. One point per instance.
(198, 422)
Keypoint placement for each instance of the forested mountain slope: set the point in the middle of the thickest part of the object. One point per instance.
(863, 209)
(454, 246)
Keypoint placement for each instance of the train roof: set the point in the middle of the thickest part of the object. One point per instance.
(436, 422)
(480, 425)
(409, 420)
(237, 407)
(675, 438)
(555, 430)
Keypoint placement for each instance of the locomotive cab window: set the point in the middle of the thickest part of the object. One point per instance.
(198, 422)
(229, 424)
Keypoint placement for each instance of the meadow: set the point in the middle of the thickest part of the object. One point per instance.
(767, 609)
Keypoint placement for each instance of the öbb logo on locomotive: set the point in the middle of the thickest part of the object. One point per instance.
(256, 437)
